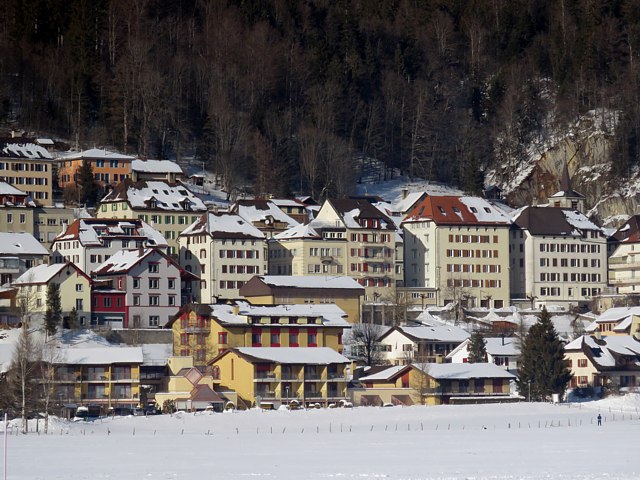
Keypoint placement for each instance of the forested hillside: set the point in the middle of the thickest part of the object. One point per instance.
(288, 94)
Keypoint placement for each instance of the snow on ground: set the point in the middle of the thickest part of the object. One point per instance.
(391, 190)
(493, 442)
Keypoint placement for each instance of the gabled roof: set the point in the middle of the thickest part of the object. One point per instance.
(566, 190)
(20, 244)
(463, 371)
(8, 189)
(23, 148)
(454, 210)
(629, 232)
(93, 231)
(351, 210)
(387, 375)
(155, 166)
(97, 153)
(436, 333)
(256, 211)
(495, 346)
(124, 260)
(605, 351)
(405, 204)
(553, 221)
(44, 273)
(290, 355)
(299, 231)
(223, 225)
(169, 197)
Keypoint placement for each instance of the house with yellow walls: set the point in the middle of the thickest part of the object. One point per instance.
(192, 388)
(434, 384)
(603, 361)
(345, 292)
(271, 377)
(204, 331)
(75, 288)
(616, 321)
(104, 376)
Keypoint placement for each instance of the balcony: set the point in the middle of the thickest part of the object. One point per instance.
(195, 330)
(266, 376)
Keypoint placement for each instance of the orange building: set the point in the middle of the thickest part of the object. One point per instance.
(109, 168)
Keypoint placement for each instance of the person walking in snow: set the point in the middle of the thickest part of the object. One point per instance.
(599, 420)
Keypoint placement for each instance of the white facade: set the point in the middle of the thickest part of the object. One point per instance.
(503, 352)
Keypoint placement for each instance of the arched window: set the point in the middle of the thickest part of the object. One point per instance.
(203, 253)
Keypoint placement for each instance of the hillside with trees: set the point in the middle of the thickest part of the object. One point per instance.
(288, 94)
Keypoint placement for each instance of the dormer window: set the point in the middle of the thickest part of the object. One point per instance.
(153, 203)
(487, 209)
(442, 210)
(456, 209)
(473, 209)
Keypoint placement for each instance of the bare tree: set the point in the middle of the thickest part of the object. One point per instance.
(364, 343)
(49, 360)
(22, 372)
(419, 381)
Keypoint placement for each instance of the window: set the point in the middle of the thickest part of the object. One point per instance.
(106, 301)
(154, 283)
(23, 218)
(172, 283)
(172, 300)
(9, 217)
(256, 339)
(154, 300)
(275, 339)
(293, 337)
(78, 287)
(222, 338)
(184, 339)
(312, 338)
(154, 268)
(136, 300)
(582, 362)
(154, 320)
(136, 282)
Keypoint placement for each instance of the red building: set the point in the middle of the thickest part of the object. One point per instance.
(108, 307)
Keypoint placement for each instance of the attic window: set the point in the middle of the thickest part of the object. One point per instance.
(474, 209)
(486, 209)
(442, 210)
(456, 209)
(155, 191)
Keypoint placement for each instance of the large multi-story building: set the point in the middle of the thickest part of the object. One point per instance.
(29, 167)
(457, 248)
(624, 262)
(88, 242)
(169, 208)
(371, 242)
(155, 285)
(109, 168)
(18, 253)
(558, 257)
(301, 250)
(204, 331)
(225, 251)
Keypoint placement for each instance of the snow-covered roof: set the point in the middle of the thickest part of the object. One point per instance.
(99, 153)
(603, 351)
(40, 274)
(93, 231)
(311, 281)
(495, 346)
(331, 314)
(44, 141)
(579, 220)
(256, 211)
(440, 333)
(462, 371)
(299, 231)
(462, 210)
(287, 202)
(156, 354)
(99, 356)
(155, 166)
(123, 260)
(25, 150)
(382, 375)
(404, 204)
(20, 244)
(295, 355)
(8, 189)
(223, 225)
(167, 197)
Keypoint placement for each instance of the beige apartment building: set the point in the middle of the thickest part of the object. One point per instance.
(370, 244)
(29, 167)
(302, 250)
(458, 249)
(624, 262)
(169, 208)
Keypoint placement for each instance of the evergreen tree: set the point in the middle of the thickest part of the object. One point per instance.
(73, 322)
(53, 315)
(87, 186)
(542, 369)
(477, 348)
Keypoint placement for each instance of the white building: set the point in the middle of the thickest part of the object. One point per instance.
(225, 251)
(624, 262)
(502, 351)
(18, 253)
(90, 241)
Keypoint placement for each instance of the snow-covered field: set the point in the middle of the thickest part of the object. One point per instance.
(511, 441)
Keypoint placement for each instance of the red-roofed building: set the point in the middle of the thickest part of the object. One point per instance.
(459, 248)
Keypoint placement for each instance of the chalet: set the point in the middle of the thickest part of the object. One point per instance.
(616, 321)
(502, 351)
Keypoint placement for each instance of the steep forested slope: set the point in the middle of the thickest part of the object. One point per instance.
(287, 93)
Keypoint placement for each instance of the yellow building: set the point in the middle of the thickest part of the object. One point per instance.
(106, 376)
(434, 384)
(608, 361)
(302, 250)
(29, 167)
(75, 288)
(345, 292)
(271, 377)
(204, 331)
(169, 208)
(192, 388)
(617, 321)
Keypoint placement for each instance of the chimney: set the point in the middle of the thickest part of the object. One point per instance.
(405, 193)
(598, 335)
(236, 310)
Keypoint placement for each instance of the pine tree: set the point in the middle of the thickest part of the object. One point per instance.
(87, 186)
(53, 315)
(477, 348)
(542, 369)
(73, 321)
